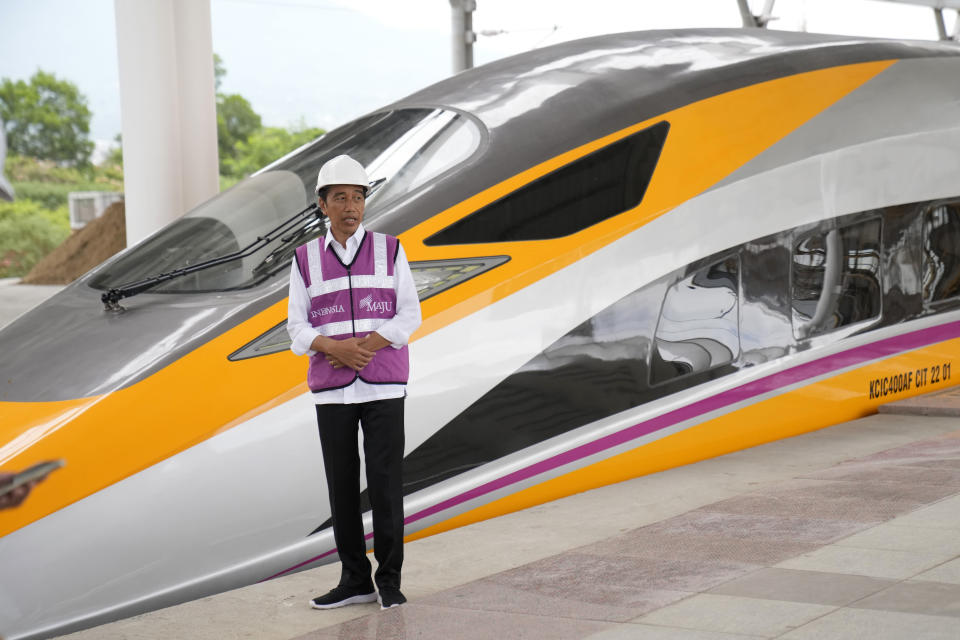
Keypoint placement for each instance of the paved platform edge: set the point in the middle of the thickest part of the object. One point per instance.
(834, 529)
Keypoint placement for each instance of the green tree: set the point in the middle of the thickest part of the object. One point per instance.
(266, 145)
(111, 168)
(47, 184)
(27, 233)
(46, 118)
(244, 144)
(219, 71)
(236, 119)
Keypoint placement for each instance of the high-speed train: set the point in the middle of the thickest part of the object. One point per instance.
(633, 252)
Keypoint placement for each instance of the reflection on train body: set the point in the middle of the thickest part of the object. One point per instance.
(941, 253)
(699, 325)
(705, 321)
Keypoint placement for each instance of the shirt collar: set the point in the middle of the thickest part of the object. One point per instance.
(352, 242)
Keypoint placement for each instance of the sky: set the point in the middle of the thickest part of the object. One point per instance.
(321, 63)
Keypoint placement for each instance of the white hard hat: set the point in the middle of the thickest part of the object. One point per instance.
(342, 170)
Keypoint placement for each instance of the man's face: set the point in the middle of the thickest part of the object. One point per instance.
(344, 206)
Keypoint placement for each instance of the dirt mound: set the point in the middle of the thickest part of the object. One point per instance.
(83, 250)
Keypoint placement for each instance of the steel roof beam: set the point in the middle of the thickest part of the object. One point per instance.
(757, 21)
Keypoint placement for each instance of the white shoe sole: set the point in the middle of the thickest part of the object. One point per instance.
(383, 608)
(360, 599)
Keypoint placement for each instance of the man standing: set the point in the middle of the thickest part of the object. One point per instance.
(353, 305)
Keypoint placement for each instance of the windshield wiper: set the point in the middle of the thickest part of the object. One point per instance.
(375, 185)
(281, 254)
(112, 297)
(287, 245)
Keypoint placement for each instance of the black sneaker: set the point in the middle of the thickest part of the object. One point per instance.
(389, 597)
(342, 596)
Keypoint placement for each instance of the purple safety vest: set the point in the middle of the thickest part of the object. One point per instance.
(352, 300)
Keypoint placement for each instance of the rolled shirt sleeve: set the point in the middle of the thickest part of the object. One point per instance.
(398, 329)
(299, 328)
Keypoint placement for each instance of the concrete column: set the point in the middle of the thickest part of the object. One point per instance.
(168, 110)
(463, 37)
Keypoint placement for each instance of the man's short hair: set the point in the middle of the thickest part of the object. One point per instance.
(322, 194)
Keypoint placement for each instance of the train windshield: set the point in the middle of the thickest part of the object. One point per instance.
(401, 151)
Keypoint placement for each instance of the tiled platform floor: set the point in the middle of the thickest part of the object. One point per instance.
(848, 532)
(868, 548)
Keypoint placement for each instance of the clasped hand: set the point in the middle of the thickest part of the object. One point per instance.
(350, 352)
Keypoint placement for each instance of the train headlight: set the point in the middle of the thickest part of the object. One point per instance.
(434, 276)
(274, 340)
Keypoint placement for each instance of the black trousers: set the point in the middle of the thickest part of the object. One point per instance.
(383, 439)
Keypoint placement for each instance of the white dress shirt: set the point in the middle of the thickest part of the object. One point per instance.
(397, 329)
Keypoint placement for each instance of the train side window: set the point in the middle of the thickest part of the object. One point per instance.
(836, 278)
(589, 190)
(941, 254)
(699, 325)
